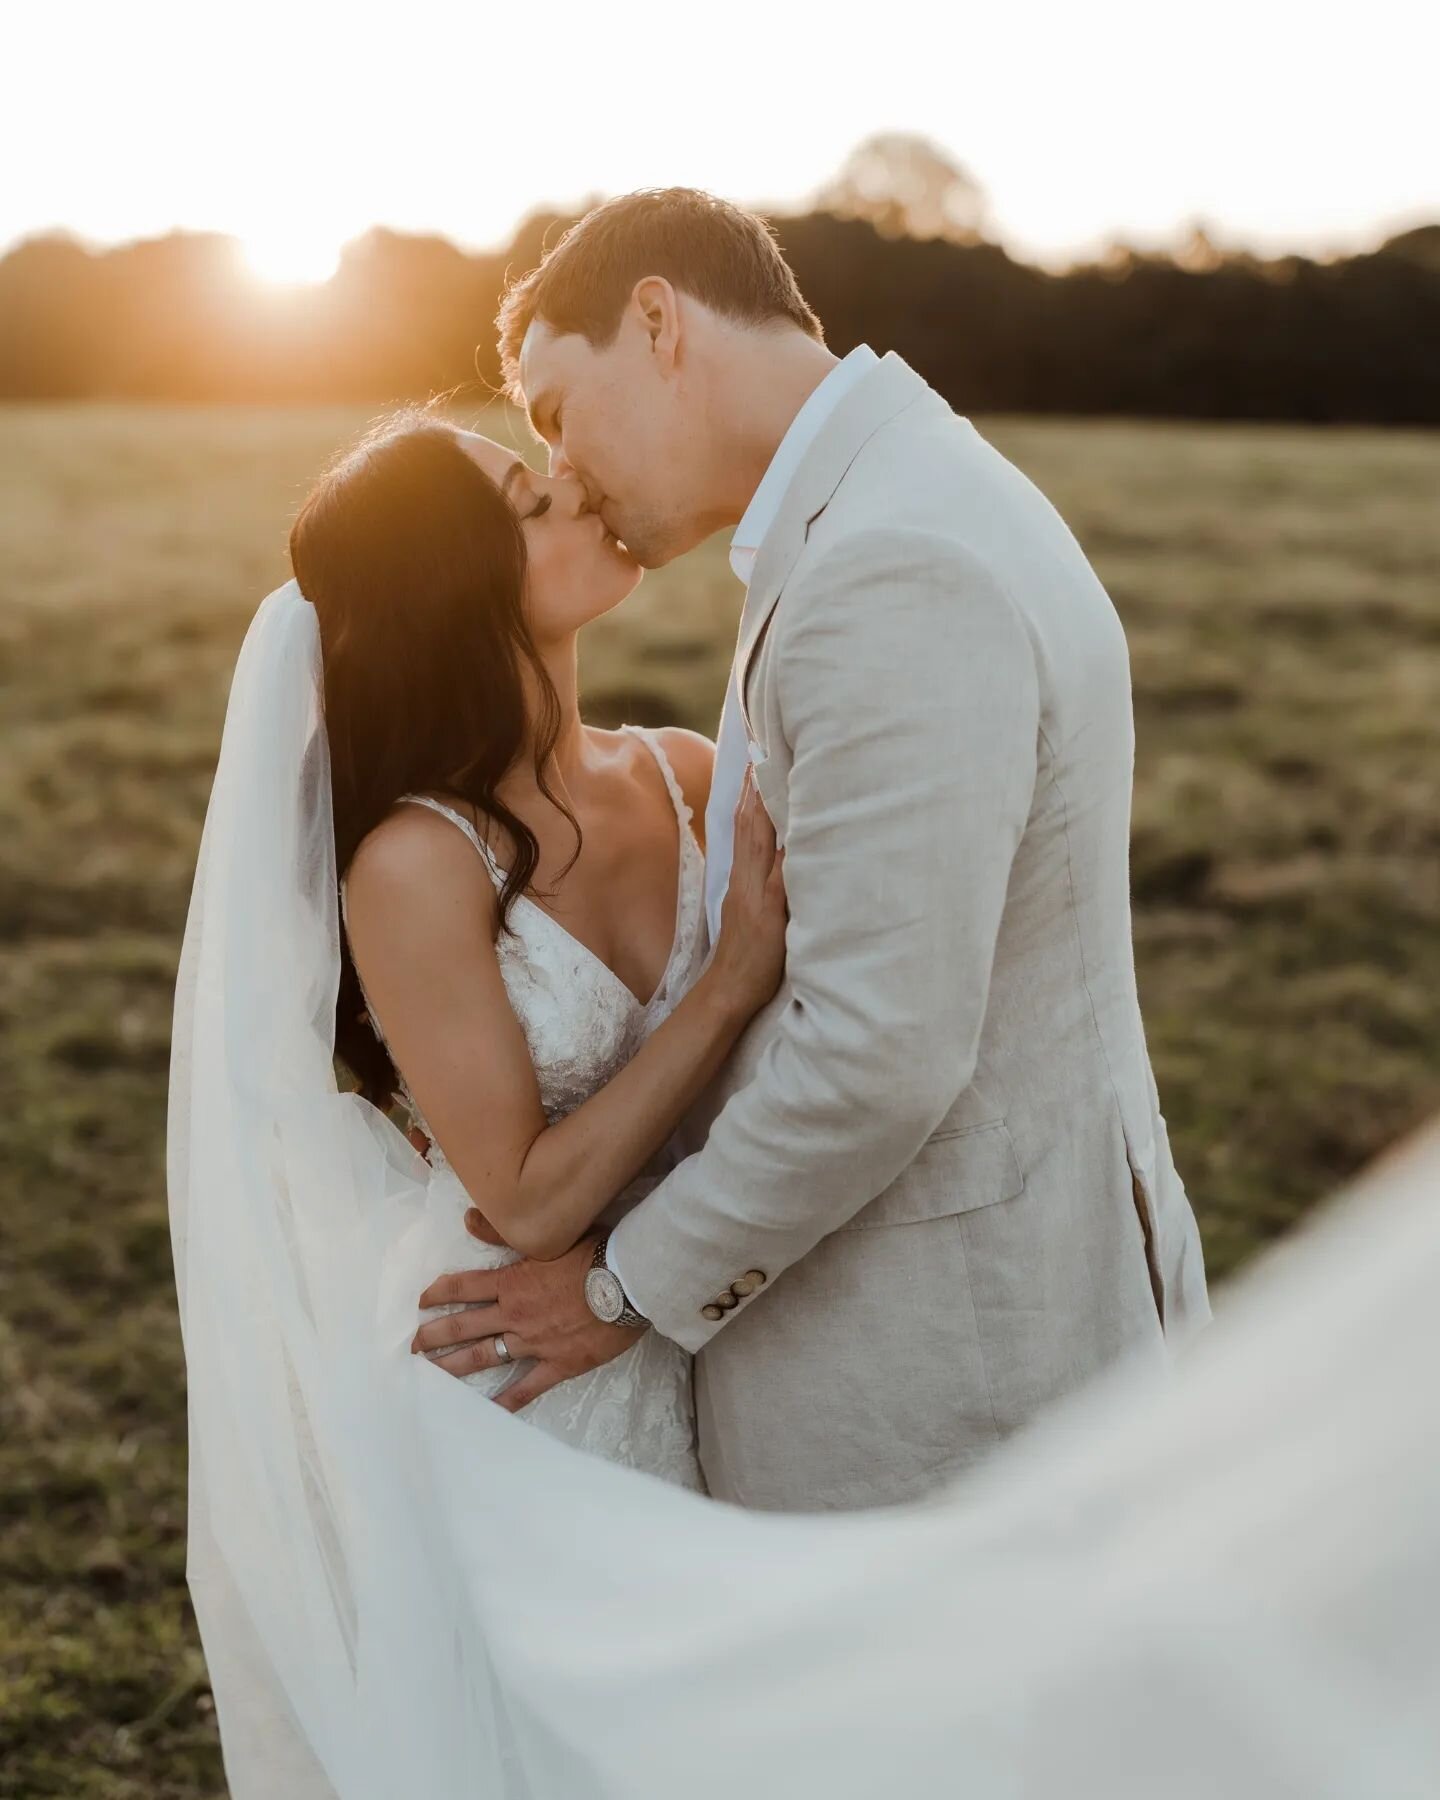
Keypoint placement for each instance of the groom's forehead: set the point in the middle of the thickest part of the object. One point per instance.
(541, 359)
(548, 362)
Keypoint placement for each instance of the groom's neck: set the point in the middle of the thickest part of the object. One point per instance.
(765, 379)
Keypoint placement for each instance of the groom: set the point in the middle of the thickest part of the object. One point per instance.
(935, 1191)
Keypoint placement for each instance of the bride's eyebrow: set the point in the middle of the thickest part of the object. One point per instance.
(511, 475)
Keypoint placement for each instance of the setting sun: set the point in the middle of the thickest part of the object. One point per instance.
(290, 258)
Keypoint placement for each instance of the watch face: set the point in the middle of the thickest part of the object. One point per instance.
(604, 1295)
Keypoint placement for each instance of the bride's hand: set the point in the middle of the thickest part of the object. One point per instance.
(749, 954)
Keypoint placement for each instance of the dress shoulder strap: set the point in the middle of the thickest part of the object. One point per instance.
(683, 810)
(461, 823)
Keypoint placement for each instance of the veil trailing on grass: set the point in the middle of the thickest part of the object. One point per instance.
(1225, 1584)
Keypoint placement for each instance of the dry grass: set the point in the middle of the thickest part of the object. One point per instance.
(1278, 588)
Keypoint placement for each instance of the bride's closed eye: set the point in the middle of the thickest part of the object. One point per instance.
(516, 485)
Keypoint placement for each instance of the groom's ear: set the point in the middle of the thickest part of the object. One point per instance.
(657, 307)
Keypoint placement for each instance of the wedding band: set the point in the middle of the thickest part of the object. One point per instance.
(502, 1349)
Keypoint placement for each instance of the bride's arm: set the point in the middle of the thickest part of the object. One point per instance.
(421, 919)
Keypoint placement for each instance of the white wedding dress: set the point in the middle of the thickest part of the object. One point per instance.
(582, 1025)
(1216, 1586)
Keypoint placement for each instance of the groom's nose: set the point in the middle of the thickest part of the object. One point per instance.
(560, 463)
(580, 495)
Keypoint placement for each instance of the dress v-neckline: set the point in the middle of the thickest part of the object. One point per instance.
(640, 1006)
(684, 829)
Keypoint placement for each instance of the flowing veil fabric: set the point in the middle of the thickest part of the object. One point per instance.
(1225, 1584)
(344, 1660)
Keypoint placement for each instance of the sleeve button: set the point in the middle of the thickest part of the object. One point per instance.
(711, 1312)
(758, 1276)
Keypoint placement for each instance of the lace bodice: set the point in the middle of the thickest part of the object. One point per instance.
(582, 1025)
(581, 1022)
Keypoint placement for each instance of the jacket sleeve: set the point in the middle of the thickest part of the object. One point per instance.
(909, 697)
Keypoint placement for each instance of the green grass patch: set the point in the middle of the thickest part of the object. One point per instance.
(1278, 588)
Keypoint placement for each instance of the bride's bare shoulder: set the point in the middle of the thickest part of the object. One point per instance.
(413, 852)
(692, 757)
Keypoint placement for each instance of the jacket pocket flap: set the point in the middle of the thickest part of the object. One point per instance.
(955, 1172)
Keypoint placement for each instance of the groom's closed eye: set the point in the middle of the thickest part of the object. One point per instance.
(545, 418)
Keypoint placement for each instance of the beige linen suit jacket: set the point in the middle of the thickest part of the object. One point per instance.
(935, 1191)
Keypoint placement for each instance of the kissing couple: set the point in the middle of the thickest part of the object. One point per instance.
(780, 1117)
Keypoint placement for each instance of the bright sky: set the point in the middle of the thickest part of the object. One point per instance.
(295, 125)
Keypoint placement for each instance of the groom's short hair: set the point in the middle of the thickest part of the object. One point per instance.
(718, 253)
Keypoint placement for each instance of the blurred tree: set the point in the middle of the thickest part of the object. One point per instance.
(49, 310)
(1203, 332)
(1199, 251)
(907, 186)
(1422, 245)
(540, 231)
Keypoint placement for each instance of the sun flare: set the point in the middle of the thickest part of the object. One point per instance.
(294, 258)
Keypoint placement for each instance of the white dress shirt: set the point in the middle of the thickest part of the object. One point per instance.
(732, 750)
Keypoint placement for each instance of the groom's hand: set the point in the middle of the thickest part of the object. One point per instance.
(540, 1309)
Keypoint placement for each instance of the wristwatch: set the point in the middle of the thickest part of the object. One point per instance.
(604, 1295)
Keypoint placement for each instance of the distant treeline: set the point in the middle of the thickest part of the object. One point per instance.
(1201, 335)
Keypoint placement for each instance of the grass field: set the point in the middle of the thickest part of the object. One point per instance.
(1279, 590)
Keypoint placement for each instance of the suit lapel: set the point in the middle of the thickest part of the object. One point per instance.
(887, 390)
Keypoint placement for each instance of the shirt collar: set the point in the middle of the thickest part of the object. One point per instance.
(806, 426)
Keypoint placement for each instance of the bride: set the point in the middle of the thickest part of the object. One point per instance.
(419, 857)
(522, 895)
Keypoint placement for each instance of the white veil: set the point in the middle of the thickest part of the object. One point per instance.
(1228, 1585)
(338, 1644)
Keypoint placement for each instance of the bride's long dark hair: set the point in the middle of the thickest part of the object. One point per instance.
(415, 564)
